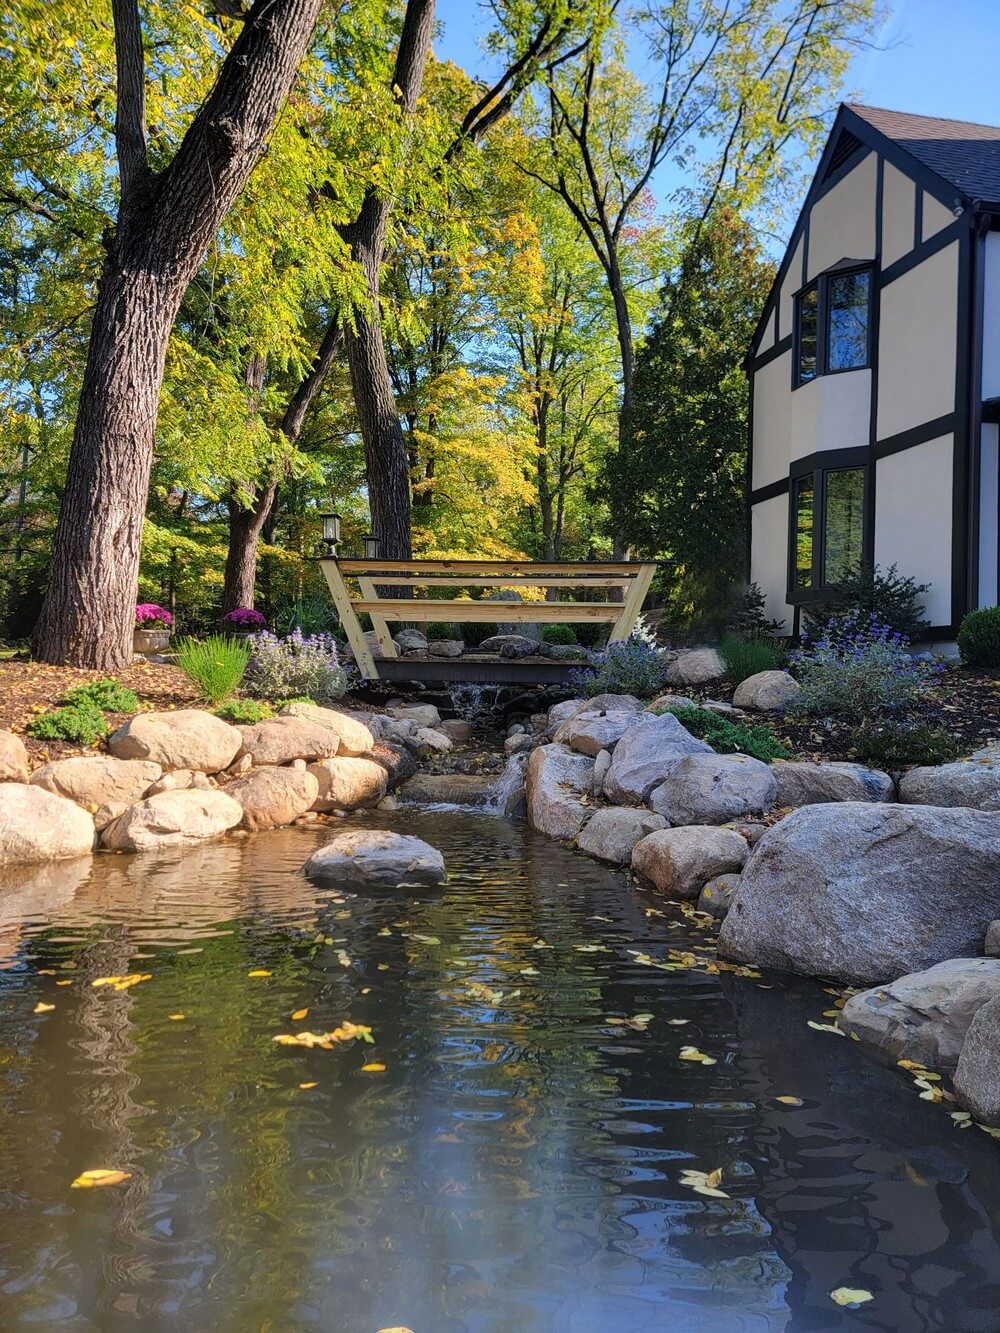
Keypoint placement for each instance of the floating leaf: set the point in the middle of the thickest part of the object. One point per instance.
(98, 1179)
(176, 1018)
(259, 972)
(373, 1067)
(41, 1008)
(825, 1027)
(530, 972)
(299, 1014)
(326, 1040)
(678, 1022)
(714, 1178)
(67, 982)
(307, 1085)
(699, 1057)
(789, 1101)
(123, 983)
(850, 1296)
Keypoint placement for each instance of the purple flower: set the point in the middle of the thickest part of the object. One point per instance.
(244, 617)
(148, 615)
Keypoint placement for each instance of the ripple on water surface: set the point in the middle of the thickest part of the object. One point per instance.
(511, 1159)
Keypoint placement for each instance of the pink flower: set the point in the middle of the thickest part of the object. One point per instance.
(148, 616)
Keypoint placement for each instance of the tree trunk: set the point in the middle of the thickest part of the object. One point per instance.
(166, 221)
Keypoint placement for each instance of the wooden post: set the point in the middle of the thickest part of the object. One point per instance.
(382, 634)
(355, 636)
(633, 604)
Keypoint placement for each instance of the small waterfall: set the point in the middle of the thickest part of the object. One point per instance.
(472, 701)
(507, 793)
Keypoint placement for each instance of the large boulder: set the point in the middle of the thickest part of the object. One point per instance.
(272, 797)
(377, 857)
(972, 782)
(13, 758)
(37, 825)
(355, 737)
(172, 819)
(397, 761)
(509, 796)
(646, 755)
(680, 861)
(104, 786)
(665, 703)
(186, 738)
(863, 893)
(559, 712)
(555, 781)
(348, 784)
(607, 703)
(509, 645)
(977, 1077)
(801, 783)
(714, 788)
(611, 834)
(766, 691)
(696, 666)
(449, 788)
(590, 732)
(924, 1016)
(421, 715)
(279, 740)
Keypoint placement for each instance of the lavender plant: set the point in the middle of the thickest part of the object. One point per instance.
(858, 668)
(295, 665)
(630, 667)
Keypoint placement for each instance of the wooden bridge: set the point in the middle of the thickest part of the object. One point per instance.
(369, 575)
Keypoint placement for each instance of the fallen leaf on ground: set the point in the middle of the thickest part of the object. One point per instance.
(97, 1179)
(850, 1296)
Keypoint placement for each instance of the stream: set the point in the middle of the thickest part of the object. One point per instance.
(511, 1161)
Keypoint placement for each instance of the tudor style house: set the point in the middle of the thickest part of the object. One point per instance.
(875, 371)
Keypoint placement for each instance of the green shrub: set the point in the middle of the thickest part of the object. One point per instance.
(898, 745)
(979, 637)
(106, 695)
(476, 632)
(727, 737)
(564, 634)
(81, 723)
(311, 615)
(627, 667)
(216, 665)
(246, 711)
(745, 656)
(896, 601)
(591, 635)
(439, 629)
(748, 616)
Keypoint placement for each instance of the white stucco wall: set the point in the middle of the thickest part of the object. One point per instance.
(830, 412)
(771, 421)
(917, 344)
(769, 555)
(991, 316)
(989, 515)
(791, 284)
(842, 223)
(898, 214)
(913, 519)
(935, 217)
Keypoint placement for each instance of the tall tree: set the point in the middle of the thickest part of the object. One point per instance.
(165, 221)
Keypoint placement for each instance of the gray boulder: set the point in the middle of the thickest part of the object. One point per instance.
(527, 631)
(717, 896)
(410, 641)
(680, 861)
(713, 789)
(608, 703)
(172, 819)
(766, 691)
(924, 1016)
(611, 834)
(646, 755)
(13, 758)
(813, 784)
(185, 738)
(601, 765)
(864, 893)
(509, 645)
(696, 666)
(348, 784)
(591, 731)
(972, 782)
(37, 825)
(446, 647)
(456, 729)
(977, 1077)
(423, 715)
(555, 781)
(281, 739)
(377, 857)
(663, 703)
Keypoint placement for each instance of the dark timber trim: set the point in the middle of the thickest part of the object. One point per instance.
(909, 439)
(939, 241)
(875, 318)
(772, 354)
(961, 462)
(918, 218)
(771, 491)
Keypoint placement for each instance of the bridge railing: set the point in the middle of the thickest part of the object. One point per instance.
(633, 578)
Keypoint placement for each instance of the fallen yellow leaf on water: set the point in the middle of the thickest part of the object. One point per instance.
(41, 1008)
(825, 1027)
(789, 1101)
(850, 1296)
(299, 1013)
(326, 1040)
(176, 1018)
(90, 1180)
(383, 967)
(699, 1182)
(699, 1057)
(259, 972)
(396, 1328)
(714, 1178)
(125, 982)
(373, 1068)
(307, 1085)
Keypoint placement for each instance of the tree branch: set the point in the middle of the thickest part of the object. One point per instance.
(130, 116)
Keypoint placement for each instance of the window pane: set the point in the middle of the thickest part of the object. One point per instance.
(808, 316)
(845, 518)
(847, 342)
(805, 508)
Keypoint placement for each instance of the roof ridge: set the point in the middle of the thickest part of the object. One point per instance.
(920, 115)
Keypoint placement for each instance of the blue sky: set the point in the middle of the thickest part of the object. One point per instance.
(936, 57)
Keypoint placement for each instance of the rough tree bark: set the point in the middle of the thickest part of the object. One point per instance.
(165, 223)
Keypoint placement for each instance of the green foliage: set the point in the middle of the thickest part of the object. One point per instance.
(631, 666)
(896, 600)
(748, 615)
(106, 695)
(564, 634)
(979, 637)
(745, 656)
(727, 737)
(244, 711)
(895, 745)
(215, 665)
(438, 630)
(81, 723)
(311, 615)
(591, 635)
(475, 632)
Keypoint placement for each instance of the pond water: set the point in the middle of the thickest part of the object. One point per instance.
(516, 1167)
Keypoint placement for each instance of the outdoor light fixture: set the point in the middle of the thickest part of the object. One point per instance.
(371, 547)
(331, 532)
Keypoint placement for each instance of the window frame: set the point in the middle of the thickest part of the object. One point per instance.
(821, 284)
(819, 466)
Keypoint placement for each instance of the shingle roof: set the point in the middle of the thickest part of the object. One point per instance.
(964, 154)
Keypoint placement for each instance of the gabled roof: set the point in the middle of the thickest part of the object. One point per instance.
(964, 154)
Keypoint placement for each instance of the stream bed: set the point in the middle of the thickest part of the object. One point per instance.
(512, 1159)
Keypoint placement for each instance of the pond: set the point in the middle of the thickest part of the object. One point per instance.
(515, 1167)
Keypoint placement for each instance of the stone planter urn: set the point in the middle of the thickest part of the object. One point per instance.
(150, 640)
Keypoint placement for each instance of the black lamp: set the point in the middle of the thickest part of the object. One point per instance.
(371, 546)
(331, 532)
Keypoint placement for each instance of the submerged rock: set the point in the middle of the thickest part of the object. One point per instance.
(611, 834)
(864, 893)
(977, 1077)
(104, 786)
(646, 755)
(924, 1016)
(186, 738)
(348, 784)
(37, 825)
(448, 788)
(813, 784)
(972, 782)
(172, 819)
(377, 857)
(680, 861)
(13, 758)
(717, 896)
(555, 780)
(713, 789)
(272, 797)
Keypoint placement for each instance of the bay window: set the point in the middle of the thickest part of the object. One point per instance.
(833, 324)
(827, 528)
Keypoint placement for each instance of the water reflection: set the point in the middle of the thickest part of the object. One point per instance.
(516, 1166)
